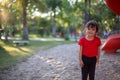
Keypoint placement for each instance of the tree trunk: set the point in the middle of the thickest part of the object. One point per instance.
(6, 32)
(0, 25)
(13, 30)
(0, 30)
(54, 26)
(25, 27)
(54, 29)
(6, 35)
(68, 30)
(86, 11)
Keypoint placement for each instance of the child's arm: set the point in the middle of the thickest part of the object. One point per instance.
(80, 56)
(98, 57)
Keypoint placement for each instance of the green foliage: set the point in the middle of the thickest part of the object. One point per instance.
(60, 12)
(53, 4)
(67, 38)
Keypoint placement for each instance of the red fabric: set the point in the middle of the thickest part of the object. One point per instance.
(90, 47)
(111, 45)
(114, 5)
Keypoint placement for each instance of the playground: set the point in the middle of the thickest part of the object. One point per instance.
(39, 38)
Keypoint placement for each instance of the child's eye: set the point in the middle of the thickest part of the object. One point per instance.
(93, 29)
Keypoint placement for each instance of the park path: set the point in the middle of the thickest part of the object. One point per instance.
(61, 63)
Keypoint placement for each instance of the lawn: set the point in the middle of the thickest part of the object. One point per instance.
(10, 54)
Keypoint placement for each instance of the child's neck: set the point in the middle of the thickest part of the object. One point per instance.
(89, 37)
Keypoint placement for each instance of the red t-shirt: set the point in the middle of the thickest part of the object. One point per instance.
(90, 47)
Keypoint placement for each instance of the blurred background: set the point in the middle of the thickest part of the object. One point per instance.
(54, 18)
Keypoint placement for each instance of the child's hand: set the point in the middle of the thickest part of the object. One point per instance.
(81, 63)
(97, 62)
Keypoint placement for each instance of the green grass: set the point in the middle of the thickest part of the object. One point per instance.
(10, 54)
(36, 36)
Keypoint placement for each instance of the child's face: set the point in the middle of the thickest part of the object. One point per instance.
(91, 31)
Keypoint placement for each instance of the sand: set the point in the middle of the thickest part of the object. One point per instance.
(61, 63)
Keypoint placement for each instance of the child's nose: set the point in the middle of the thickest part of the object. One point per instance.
(90, 30)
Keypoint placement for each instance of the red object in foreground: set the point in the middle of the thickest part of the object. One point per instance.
(114, 5)
(112, 44)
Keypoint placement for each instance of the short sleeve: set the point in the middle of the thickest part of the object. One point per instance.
(80, 42)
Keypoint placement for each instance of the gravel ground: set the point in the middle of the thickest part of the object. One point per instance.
(61, 63)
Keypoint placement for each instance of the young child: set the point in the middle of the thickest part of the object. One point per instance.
(89, 50)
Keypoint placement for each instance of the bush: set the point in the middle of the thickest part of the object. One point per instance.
(67, 38)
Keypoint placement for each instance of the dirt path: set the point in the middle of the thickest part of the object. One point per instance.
(61, 63)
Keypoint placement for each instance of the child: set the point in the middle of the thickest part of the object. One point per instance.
(89, 50)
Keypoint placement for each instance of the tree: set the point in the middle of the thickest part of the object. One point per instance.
(87, 11)
(0, 25)
(25, 4)
(5, 17)
(53, 6)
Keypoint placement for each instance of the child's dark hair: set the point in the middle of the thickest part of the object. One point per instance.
(92, 24)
